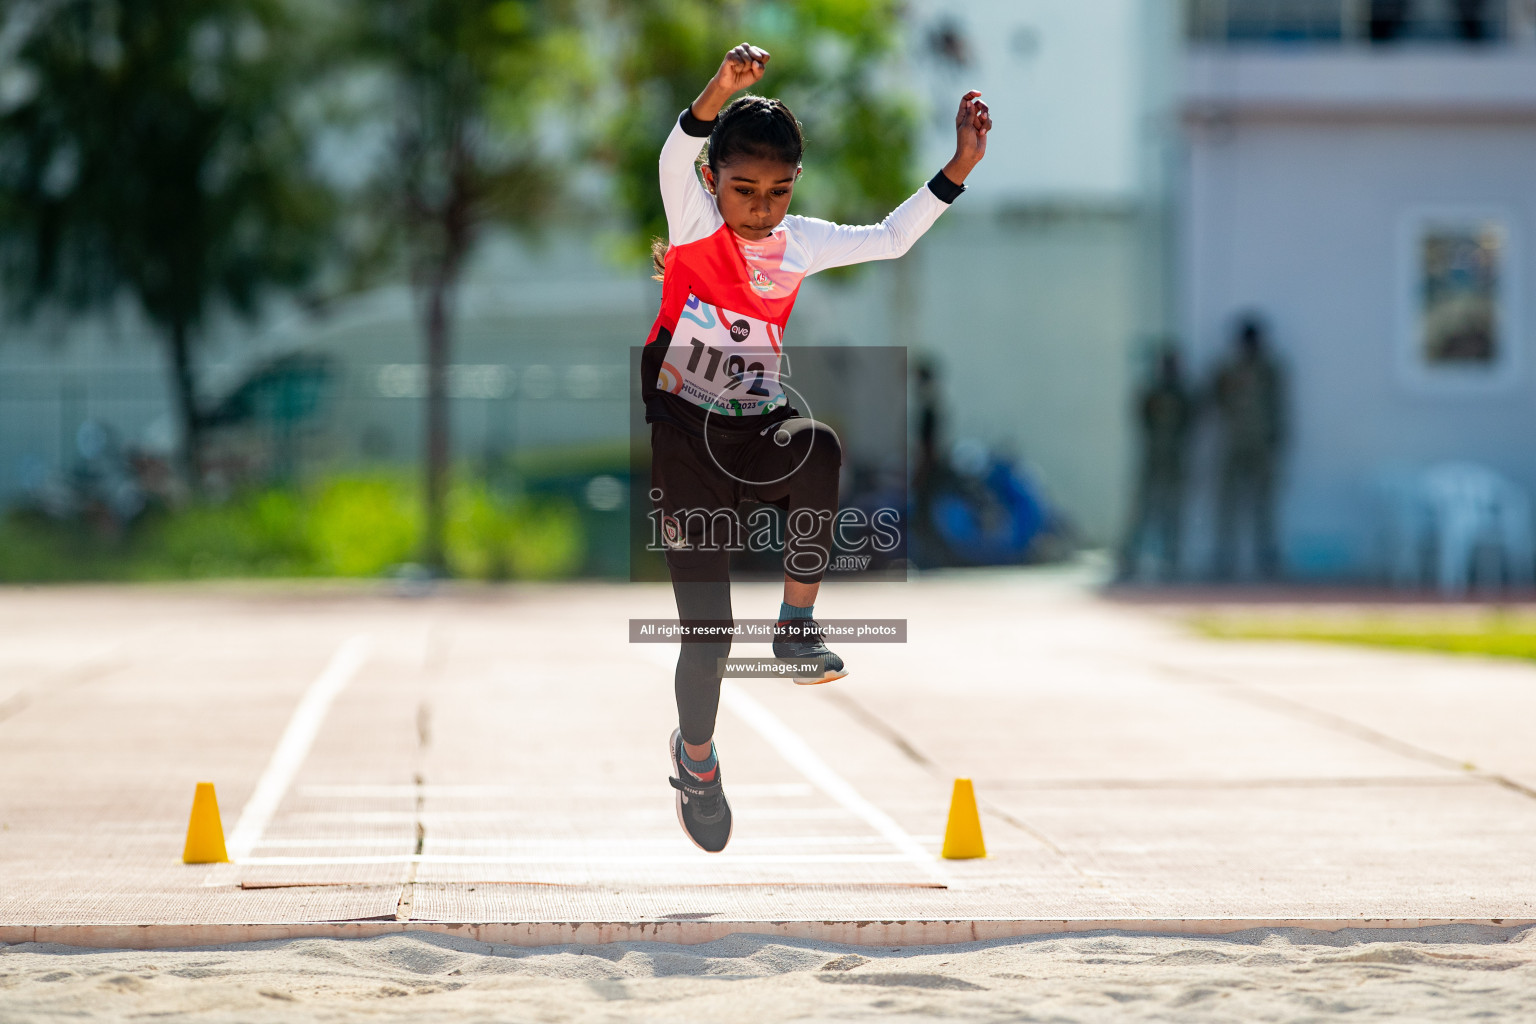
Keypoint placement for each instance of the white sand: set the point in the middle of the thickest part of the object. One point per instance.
(1261, 975)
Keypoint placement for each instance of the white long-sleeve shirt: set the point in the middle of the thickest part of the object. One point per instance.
(799, 246)
(727, 299)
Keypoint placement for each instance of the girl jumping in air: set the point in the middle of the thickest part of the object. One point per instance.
(722, 428)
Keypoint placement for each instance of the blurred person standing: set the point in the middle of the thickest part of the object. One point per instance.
(1248, 394)
(1472, 20)
(1388, 20)
(1165, 411)
(931, 473)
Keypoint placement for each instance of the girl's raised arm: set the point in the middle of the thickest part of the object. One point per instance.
(691, 210)
(839, 245)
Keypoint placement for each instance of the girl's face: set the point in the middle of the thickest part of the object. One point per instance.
(753, 193)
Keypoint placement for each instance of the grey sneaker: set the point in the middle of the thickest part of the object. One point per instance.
(802, 640)
(702, 809)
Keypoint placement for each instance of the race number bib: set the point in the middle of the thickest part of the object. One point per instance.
(723, 361)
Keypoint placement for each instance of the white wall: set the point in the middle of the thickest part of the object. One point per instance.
(1063, 80)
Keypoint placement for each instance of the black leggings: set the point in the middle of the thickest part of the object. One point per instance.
(691, 482)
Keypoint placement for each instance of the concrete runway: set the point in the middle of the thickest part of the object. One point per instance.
(491, 763)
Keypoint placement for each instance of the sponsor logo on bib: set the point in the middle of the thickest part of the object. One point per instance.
(710, 364)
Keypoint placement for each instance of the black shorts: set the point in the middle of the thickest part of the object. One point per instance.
(699, 482)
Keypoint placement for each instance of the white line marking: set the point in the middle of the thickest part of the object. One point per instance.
(367, 792)
(621, 859)
(494, 847)
(382, 792)
(440, 844)
(538, 817)
(820, 774)
(293, 748)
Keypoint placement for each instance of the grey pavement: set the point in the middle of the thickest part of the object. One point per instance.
(491, 761)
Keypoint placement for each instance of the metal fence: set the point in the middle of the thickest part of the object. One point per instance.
(52, 420)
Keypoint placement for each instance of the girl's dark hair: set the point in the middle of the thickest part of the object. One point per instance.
(752, 126)
(756, 126)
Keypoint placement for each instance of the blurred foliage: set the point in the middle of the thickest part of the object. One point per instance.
(261, 535)
(830, 64)
(477, 534)
(543, 540)
(362, 525)
(151, 148)
(1498, 634)
(466, 86)
(536, 539)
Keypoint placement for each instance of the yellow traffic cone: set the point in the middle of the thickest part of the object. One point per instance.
(205, 834)
(962, 836)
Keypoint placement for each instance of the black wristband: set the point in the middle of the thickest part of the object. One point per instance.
(693, 126)
(943, 188)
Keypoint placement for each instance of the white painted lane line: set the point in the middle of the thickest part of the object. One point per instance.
(294, 746)
(385, 792)
(820, 774)
(562, 847)
(538, 817)
(738, 843)
(675, 860)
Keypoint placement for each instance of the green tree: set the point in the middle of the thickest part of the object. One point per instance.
(468, 84)
(151, 148)
(830, 65)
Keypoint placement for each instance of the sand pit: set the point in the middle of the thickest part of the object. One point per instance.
(1261, 975)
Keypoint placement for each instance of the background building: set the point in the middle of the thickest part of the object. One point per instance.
(1361, 175)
